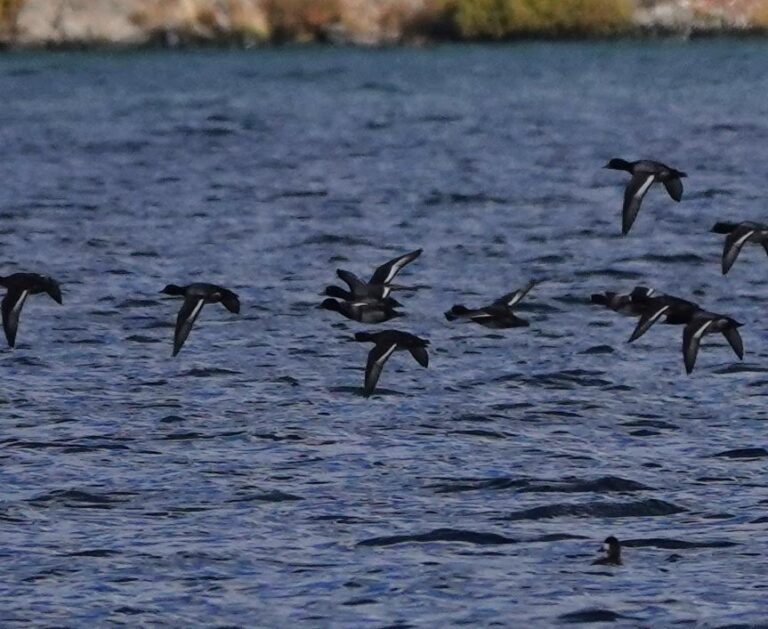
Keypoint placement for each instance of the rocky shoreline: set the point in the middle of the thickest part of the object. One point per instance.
(173, 23)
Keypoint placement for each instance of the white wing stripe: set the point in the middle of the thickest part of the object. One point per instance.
(644, 188)
(658, 313)
(744, 238)
(196, 311)
(20, 302)
(700, 332)
(383, 358)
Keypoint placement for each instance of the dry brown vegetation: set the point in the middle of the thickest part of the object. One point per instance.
(9, 10)
(301, 20)
(758, 15)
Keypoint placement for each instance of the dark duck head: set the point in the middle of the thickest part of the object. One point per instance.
(723, 227)
(330, 304)
(173, 289)
(612, 550)
(619, 164)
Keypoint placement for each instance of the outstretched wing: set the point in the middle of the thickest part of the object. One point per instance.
(647, 319)
(338, 292)
(356, 285)
(692, 334)
(421, 356)
(674, 187)
(387, 271)
(734, 338)
(11, 307)
(376, 359)
(510, 299)
(186, 319)
(733, 244)
(633, 197)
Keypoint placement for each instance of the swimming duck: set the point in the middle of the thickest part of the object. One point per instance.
(380, 285)
(195, 297)
(365, 310)
(677, 311)
(644, 173)
(387, 342)
(498, 315)
(631, 304)
(612, 550)
(20, 286)
(738, 235)
(702, 323)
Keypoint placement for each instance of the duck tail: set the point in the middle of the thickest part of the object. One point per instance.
(363, 337)
(599, 298)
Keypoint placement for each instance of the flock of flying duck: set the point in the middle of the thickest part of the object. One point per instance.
(372, 301)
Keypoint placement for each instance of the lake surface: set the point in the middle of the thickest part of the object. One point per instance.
(247, 482)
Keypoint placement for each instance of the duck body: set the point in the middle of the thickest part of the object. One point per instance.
(612, 549)
(631, 304)
(20, 286)
(677, 311)
(703, 323)
(346, 295)
(195, 296)
(379, 286)
(386, 343)
(737, 235)
(496, 316)
(364, 311)
(645, 173)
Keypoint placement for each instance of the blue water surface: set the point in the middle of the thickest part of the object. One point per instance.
(247, 482)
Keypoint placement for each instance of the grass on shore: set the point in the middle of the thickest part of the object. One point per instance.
(503, 19)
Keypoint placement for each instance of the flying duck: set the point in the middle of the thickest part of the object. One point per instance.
(677, 311)
(702, 323)
(20, 286)
(195, 297)
(612, 550)
(738, 235)
(631, 304)
(644, 174)
(379, 286)
(345, 295)
(498, 315)
(386, 342)
(365, 310)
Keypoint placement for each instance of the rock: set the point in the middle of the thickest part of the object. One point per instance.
(58, 22)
